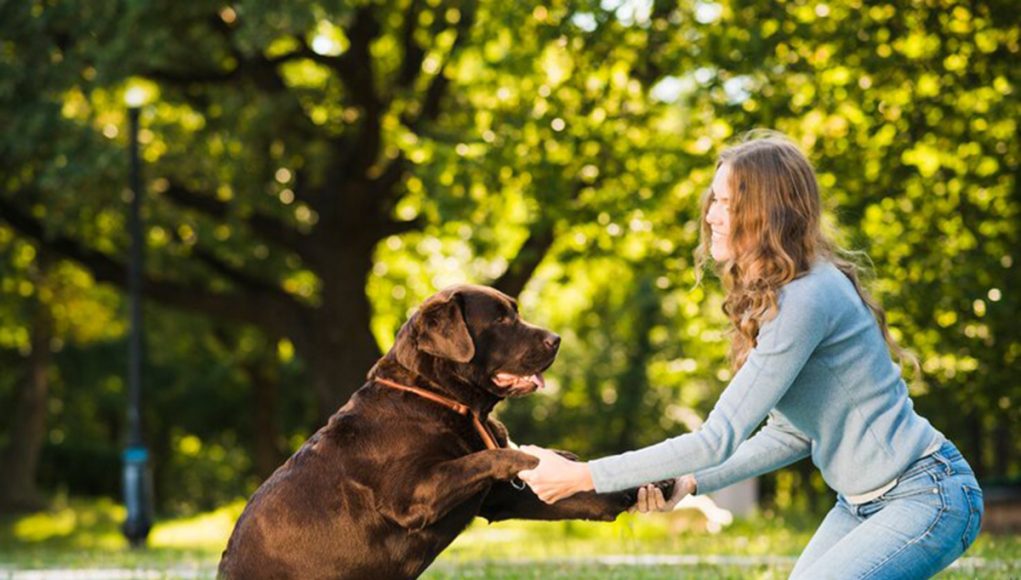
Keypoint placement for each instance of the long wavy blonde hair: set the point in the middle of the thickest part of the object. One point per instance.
(776, 233)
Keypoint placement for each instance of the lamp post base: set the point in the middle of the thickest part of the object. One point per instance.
(137, 496)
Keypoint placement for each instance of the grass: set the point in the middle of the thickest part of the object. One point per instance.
(85, 534)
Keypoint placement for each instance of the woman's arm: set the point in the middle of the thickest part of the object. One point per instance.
(778, 444)
(785, 344)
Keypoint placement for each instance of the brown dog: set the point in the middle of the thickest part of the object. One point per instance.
(405, 465)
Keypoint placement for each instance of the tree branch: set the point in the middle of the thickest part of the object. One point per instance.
(528, 258)
(413, 53)
(533, 251)
(392, 174)
(242, 279)
(268, 227)
(357, 72)
(395, 228)
(248, 308)
(189, 76)
(259, 70)
(429, 109)
(647, 70)
(192, 76)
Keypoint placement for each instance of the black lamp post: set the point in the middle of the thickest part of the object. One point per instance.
(137, 476)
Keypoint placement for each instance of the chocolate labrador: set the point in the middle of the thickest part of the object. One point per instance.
(401, 469)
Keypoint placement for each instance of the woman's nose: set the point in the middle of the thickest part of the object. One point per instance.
(712, 217)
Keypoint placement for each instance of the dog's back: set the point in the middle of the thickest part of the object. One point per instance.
(316, 517)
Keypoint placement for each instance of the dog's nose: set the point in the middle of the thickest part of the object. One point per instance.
(552, 341)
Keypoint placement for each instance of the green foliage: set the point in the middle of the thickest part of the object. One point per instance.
(597, 122)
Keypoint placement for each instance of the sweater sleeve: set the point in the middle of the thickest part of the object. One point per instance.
(776, 445)
(784, 345)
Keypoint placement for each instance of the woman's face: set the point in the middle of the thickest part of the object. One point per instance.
(718, 216)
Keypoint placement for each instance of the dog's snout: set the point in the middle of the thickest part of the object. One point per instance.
(552, 341)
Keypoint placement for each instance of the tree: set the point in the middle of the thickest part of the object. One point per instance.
(20, 456)
(332, 111)
(44, 304)
(315, 169)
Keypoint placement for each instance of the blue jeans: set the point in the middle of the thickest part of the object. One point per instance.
(914, 530)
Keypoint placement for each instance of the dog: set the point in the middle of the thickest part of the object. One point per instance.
(403, 468)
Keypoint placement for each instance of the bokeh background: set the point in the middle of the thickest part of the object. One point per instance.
(312, 170)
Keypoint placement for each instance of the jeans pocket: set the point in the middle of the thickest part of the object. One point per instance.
(976, 509)
(923, 487)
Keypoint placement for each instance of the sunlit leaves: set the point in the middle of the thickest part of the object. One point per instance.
(599, 119)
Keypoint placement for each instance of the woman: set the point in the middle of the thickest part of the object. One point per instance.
(812, 355)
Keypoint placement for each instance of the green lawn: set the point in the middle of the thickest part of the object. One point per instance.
(84, 534)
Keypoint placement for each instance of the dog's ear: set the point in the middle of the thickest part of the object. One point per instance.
(442, 330)
(404, 349)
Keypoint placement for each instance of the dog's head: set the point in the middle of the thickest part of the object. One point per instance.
(475, 334)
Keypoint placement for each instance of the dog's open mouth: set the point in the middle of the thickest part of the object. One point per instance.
(519, 382)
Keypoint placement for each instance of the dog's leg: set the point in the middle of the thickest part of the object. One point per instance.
(506, 501)
(439, 488)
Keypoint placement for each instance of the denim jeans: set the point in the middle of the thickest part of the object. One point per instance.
(914, 530)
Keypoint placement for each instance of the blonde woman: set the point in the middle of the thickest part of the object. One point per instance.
(812, 355)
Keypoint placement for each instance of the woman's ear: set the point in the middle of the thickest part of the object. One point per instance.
(442, 330)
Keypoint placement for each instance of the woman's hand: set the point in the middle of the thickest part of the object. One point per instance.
(555, 477)
(650, 497)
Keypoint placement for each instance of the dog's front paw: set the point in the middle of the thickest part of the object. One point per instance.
(510, 462)
(629, 497)
(527, 462)
(667, 487)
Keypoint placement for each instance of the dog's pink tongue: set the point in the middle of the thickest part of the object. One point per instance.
(538, 379)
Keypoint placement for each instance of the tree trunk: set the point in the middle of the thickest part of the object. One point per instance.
(267, 455)
(18, 490)
(335, 379)
(339, 352)
(336, 340)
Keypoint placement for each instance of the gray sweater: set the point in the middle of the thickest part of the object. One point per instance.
(823, 376)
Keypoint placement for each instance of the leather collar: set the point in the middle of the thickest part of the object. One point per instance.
(459, 408)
